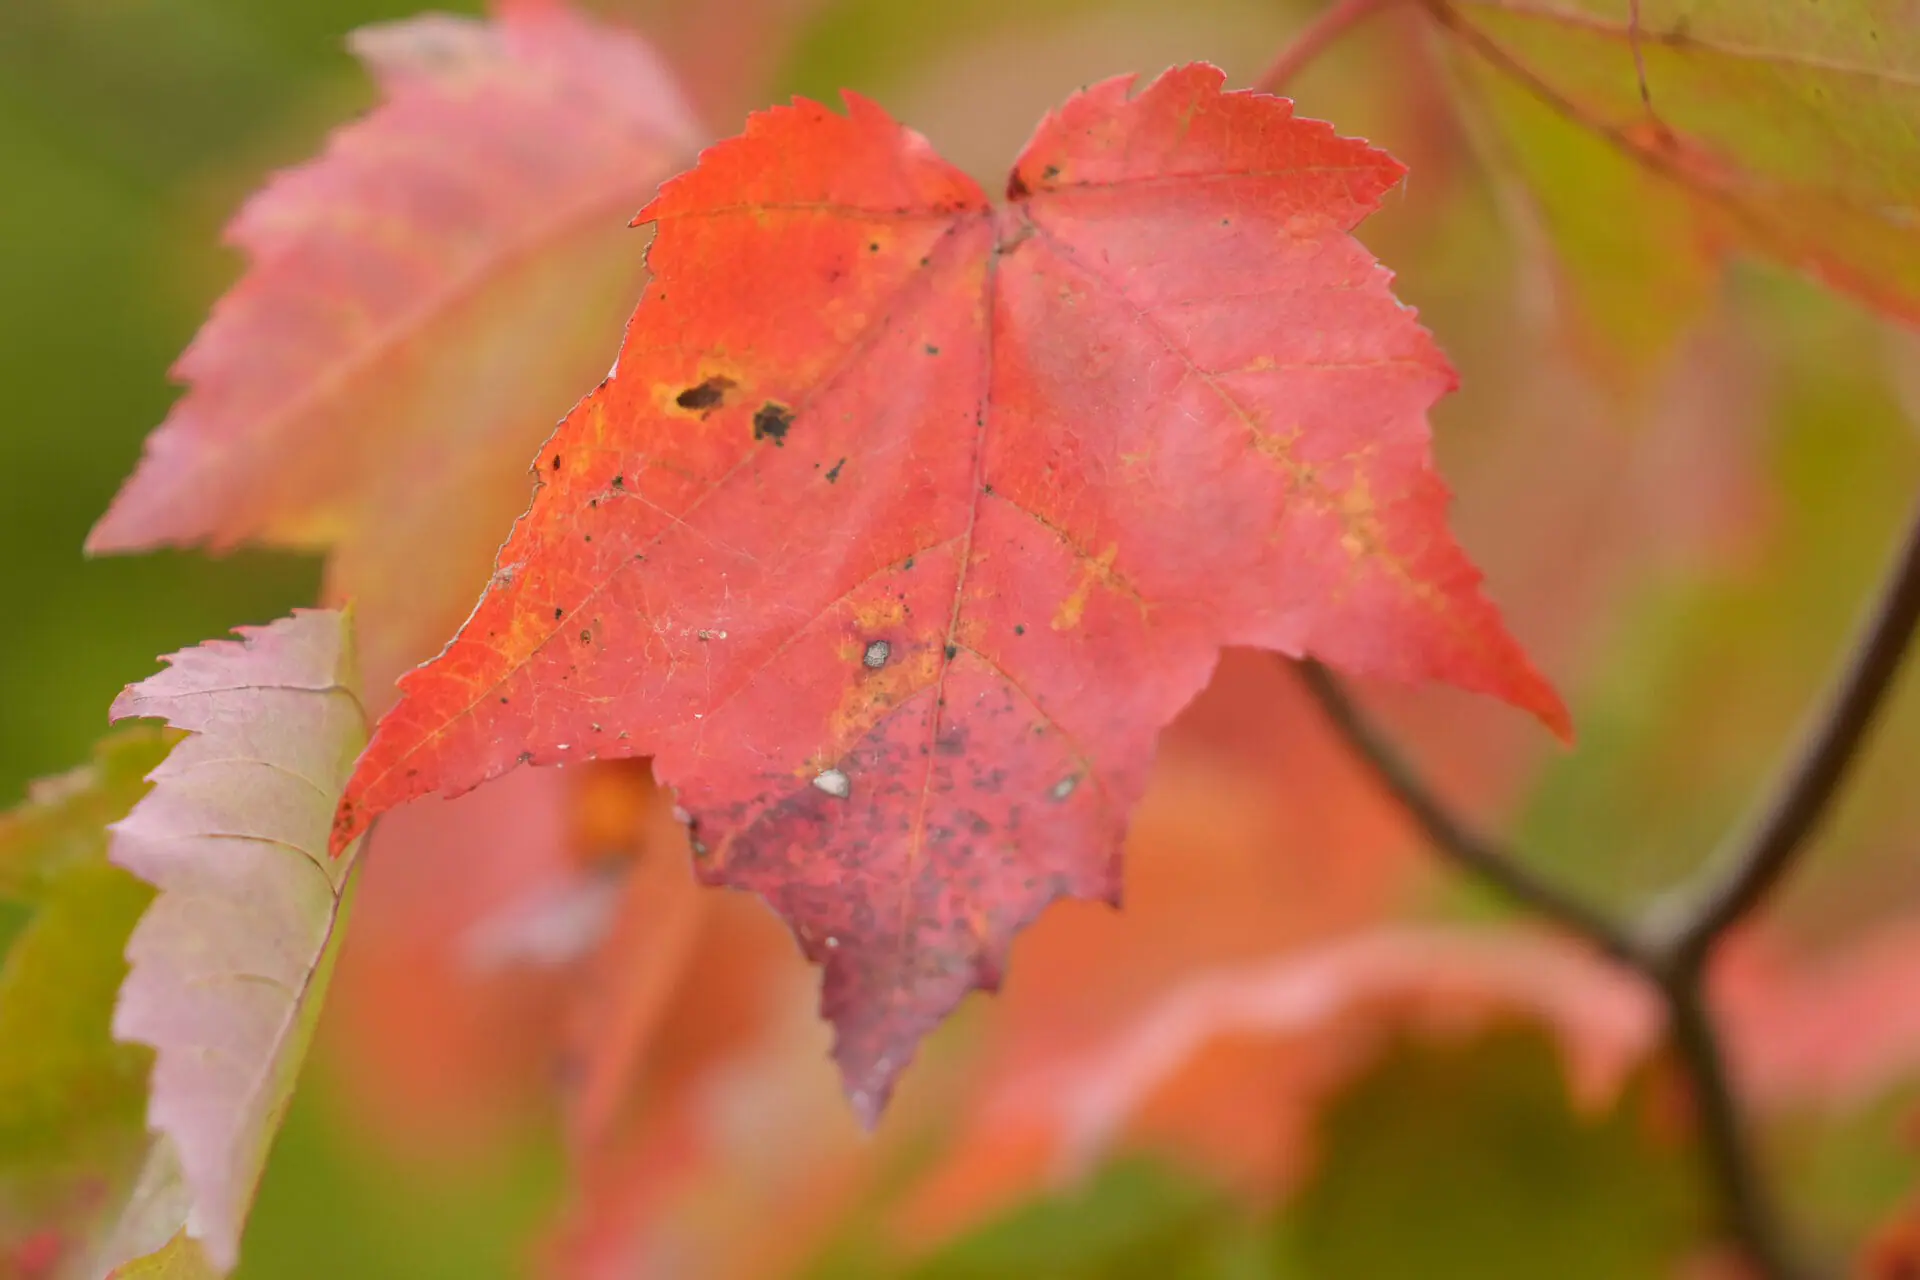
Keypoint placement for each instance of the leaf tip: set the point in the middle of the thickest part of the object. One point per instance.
(868, 1090)
(348, 823)
(1544, 701)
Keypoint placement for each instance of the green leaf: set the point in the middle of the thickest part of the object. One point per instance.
(1781, 128)
(1135, 1218)
(70, 1095)
(1468, 1160)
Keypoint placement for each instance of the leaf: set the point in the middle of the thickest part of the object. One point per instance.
(181, 1258)
(60, 1069)
(1833, 1030)
(1783, 129)
(1132, 1220)
(882, 540)
(624, 990)
(147, 1235)
(70, 1096)
(1232, 1070)
(1892, 1251)
(421, 303)
(1485, 1167)
(444, 1051)
(1249, 1054)
(230, 963)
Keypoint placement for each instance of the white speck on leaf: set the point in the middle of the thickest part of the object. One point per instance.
(876, 655)
(1064, 788)
(834, 783)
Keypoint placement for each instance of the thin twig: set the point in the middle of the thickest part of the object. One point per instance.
(1332, 23)
(1450, 835)
(1733, 1167)
(1683, 926)
(1732, 1170)
(1671, 943)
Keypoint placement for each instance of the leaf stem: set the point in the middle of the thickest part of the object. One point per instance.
(1333, 22)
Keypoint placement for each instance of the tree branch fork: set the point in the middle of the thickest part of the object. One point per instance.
(1670, 943)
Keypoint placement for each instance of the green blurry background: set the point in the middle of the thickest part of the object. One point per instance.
(129, 131)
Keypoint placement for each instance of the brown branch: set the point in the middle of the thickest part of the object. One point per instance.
(1333, 22)
(1682, 928)
(1449, 834)
(1670, 945)
(1731, 1166)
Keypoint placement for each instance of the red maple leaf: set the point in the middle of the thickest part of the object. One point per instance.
(906, 521)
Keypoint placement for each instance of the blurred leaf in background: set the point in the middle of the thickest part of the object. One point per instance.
(1687, 563)
(72, 1099)
(1470, 1160)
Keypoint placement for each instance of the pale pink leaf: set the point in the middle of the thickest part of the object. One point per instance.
(229, 964)
(422, 303)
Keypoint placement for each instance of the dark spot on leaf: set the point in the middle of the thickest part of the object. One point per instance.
(953, 651)
(619, 482)
(1051, 172)
(1019, 629)
(586, 636)
(907, 565)
(770, 421)
(873, 246)
(932, 350)
(834, 475)
(706, 396)
(1017, 188)
(556, 462)
(558, 613)
(503, 699)
(526, 757)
